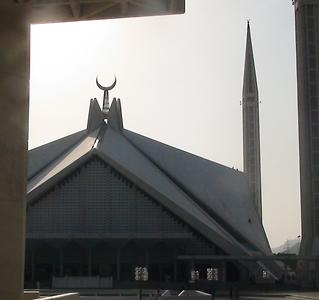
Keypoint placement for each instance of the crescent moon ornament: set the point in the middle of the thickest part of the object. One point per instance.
(106, 103)
(107, 88)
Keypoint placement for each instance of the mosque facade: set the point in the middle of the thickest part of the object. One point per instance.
(105, 200)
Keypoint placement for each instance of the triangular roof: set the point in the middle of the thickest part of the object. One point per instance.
(219, 190)
(48, 175)
(40, 157)
(211, 198)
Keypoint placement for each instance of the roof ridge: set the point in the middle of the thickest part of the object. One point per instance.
(187, 152)
(70, 156)
(58, 154)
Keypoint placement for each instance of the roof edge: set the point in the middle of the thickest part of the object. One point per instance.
(47, 185)
(82, 132)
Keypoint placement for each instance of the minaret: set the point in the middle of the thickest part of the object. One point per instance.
(251, 142)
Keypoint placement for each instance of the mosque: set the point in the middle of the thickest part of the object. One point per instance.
(105, 200)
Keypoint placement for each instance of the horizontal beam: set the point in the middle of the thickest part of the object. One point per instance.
(248, 258)
(115, 236)
(37, 3)
(52, 11)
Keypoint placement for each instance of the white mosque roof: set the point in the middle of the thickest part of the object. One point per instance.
(211, 198)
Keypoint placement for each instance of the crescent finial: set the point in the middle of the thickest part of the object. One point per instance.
(106, 103)
(107, 88)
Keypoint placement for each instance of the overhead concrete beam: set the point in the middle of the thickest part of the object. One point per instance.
(44, 11)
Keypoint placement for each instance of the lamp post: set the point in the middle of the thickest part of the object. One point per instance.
(212, 275)
(141, 274)
(194, 277)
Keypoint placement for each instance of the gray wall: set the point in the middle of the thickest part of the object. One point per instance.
(97, 199)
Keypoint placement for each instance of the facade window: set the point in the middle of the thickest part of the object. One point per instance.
(316, 171)
(315, 186)
(310, 11)
(313, 90)
(315, 144)
(311, 35)
(315, 131)
(316, 158)
(314, 103)
(314, 116)
(311, 23)
(312, 62)
(311, 49)
(312, 75)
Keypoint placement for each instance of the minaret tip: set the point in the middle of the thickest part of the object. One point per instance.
(250, 80)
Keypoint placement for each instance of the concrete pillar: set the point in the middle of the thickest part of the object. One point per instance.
(32, 264)
(61, 262)
(175, 269)
(286, 271)
(90, 261)
(118, 264)
(14, 82)
(81, 273)
(224, 271)
(160, 267)
(191, 267)
(147, 256)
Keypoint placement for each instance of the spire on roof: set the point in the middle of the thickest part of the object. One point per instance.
(113, 114)
(106, 102)
(114, 117)
(96, 116)
(250, 88)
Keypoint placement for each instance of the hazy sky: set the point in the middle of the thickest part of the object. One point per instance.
(180, 82)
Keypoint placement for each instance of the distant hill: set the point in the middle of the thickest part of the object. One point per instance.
(289, 247)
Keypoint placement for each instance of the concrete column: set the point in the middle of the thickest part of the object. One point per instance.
(147, 255)
(191, 267)
(160, 267)
(118, 264)
(175, 269)
(90, 260)
(224, 271)
(61, 262)
(14, 82)
(175, 264)
(32, 264)
(286, 272)
(81, 269)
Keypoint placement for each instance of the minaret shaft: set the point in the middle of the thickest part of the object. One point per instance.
(251, 133)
